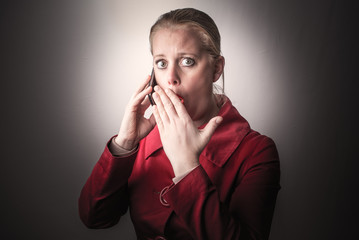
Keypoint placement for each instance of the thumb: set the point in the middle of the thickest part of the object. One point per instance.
(208, 131)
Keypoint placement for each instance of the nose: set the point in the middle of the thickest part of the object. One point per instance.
(173, 76)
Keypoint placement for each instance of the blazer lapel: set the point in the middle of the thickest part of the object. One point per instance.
(227, 136)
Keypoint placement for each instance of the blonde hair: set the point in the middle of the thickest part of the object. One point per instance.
(196, 20)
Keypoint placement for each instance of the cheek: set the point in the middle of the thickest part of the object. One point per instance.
(160, 79)
(204, 77)
(200, 85)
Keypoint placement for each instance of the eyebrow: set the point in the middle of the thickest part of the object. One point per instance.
(180, 54)
(159, 55)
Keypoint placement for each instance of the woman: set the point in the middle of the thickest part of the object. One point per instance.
(195, 169)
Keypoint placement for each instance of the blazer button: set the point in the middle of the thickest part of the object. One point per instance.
(162, 200)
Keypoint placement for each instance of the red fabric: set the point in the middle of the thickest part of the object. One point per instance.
(231, 195)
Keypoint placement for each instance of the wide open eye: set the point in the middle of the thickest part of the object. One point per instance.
(161, 64)
(187, 62)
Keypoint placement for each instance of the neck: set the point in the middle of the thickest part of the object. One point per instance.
(212, 111)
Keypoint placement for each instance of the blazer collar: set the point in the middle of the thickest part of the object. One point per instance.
(224, 141)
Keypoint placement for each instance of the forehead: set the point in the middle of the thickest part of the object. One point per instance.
(176, 40)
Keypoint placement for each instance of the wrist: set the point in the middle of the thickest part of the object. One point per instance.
(125, 143)
(184, 167)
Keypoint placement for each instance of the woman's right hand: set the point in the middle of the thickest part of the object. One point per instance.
(134, 125)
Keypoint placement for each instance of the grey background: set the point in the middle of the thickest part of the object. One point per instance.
(68, 69)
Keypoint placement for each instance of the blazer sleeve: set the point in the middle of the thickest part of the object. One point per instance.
(104, 197)
(249, 212)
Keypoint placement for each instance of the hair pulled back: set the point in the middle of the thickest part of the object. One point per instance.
(193, 19)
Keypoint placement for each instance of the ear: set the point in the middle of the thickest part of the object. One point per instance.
(218, 68)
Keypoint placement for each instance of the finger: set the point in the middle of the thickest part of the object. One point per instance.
(160, 108)
(140, 97)
(157, 118)
(208, 131)
(178, 105)
(145, 103)
(143, 85)
(141, 92)
(166, 102)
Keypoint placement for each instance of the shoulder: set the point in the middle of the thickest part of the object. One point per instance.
(257, 142)
(251, 140)
(259, 159)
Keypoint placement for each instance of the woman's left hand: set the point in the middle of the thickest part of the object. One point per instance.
(182, 141)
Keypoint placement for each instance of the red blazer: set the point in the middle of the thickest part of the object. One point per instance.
(231, 195)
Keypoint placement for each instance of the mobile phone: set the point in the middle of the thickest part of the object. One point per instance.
(152, 83)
